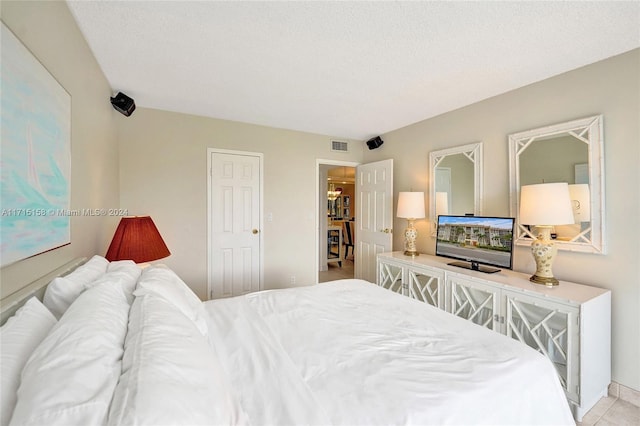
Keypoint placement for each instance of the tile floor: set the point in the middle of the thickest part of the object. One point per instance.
(614, 410)
(336, 272)
(609, 411)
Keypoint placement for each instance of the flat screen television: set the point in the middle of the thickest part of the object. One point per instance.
(476, 241)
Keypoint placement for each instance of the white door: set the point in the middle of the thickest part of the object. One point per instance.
(235, 182)
(374, 224)
(443, 184)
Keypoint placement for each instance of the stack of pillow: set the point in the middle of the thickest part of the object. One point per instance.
(69, 376)
(170, 373)
(113, 332)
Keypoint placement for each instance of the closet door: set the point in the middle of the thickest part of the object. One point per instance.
(235, 240)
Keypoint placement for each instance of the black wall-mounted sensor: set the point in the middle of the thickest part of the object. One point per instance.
(123, 104)
(374, 143)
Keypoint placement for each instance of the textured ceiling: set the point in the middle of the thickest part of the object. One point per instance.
(343, 69)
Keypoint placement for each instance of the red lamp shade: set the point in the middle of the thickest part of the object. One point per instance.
(137, 239)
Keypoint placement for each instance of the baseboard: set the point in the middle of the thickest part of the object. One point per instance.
(632, 396)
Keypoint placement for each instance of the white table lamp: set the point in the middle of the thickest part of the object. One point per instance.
(410, 207)
(544, 206)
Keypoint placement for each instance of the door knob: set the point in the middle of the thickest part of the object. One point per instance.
(386, 230)
(255, 231)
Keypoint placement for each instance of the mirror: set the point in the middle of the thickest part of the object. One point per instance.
(567, 152)
(455, 181)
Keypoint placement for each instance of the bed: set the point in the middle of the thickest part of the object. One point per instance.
(132, 346)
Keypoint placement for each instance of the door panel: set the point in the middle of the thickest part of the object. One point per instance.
(426, 286)
(234, 224)
(475, 302)
(549, 328)
(390, 277)
(374, 192)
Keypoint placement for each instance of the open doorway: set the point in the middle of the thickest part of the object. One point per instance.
(336, 220)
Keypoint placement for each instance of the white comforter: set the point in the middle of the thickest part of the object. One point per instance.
(352, 353)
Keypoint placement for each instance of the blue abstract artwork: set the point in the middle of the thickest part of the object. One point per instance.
(35, 155)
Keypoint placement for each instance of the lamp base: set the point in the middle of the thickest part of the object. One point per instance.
(548, 281)
(410, 235)
(544, 252)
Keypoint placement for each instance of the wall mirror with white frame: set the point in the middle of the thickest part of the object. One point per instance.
(455, 176)
(570, 152)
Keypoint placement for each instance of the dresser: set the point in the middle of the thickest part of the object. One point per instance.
(570, 324)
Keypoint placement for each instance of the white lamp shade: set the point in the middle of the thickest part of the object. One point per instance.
(442, 203)
(545, 204)
(411, 205)
(580, 202)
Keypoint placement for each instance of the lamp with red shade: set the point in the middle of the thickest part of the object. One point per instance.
(137, 239)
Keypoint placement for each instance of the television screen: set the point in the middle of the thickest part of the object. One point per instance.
(476, 240)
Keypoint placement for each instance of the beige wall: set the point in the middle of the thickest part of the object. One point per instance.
(48, 30)
(611, 88)
(163, 173)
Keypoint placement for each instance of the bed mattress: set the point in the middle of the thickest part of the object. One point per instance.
(352, 353)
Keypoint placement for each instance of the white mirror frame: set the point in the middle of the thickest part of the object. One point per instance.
(473, 152)
(588, 130)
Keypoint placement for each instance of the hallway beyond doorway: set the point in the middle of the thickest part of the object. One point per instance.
(336, 272)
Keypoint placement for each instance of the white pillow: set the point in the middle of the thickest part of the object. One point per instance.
(119, 265)
(71, 376)
(163, 282)
(62, 291)
(170, 374)
(19, 337)
(123, 273)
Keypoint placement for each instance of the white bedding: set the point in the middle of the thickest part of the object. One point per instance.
(352, 353)
(340, 353)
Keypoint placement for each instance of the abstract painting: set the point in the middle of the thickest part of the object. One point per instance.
(35, 155)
